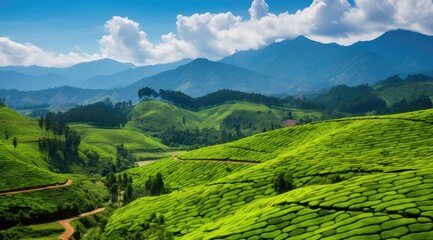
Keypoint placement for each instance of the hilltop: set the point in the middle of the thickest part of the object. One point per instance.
(350, 178)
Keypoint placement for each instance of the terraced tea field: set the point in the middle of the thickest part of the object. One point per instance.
(355, 178)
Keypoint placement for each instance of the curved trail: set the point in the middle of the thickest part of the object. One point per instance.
(218, 160)
(66, 223)
(34, 189)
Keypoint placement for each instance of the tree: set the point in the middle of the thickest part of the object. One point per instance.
(114, 191)
(15, 143)
(147, 92)
(283, 183)
(6, 135)
(41, 123)
(127, 194)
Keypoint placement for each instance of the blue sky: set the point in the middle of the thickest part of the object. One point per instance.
(65, 32)
(64, 25)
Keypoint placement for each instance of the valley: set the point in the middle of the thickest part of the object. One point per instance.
(344, 178)
(314, 122)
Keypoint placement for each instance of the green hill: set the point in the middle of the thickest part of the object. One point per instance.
(156, 116)
(25, 167)
(354, 178)
(106, 139)
(395, 89)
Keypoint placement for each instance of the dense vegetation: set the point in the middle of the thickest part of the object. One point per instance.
(339, 179)
(44, 206)
(104, 114)
(212, 99)
(359, 99)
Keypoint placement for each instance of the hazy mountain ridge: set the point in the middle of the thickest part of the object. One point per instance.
(309, 65)
(202, 76)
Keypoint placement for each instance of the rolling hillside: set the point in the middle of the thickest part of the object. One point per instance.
(25, 168)
(395, 89)
(152, 116)
(354, 178)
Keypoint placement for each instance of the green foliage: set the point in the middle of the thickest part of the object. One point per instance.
(155, 186)
(103, 114)
(367, 184)
(47, 205)
(283, 183)
(419, 103)
(359, 99)
(33, 231)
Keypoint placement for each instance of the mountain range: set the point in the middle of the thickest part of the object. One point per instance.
(292, 66)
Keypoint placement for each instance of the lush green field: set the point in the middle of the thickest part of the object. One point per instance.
(106, 139)
(45, 231)
(395, 93)
(180, 174)
(27, 132)
(355, 178)
(155, 116)
(46, 205)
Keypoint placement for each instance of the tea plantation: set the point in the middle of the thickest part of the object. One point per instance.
(354, 178)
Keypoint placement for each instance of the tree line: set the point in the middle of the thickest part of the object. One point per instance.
(216, 98)
(103, 114)
(62, 138)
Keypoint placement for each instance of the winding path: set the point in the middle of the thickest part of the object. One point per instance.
(218, 160)
(66, 223)
(34, 189)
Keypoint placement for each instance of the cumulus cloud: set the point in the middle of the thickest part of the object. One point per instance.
(25, 54)
(127, 42)
(218, 35)
(258, 9)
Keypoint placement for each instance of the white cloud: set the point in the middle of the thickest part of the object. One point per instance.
(25, 54)
(258, 9)
(217, 35)
(127, 42)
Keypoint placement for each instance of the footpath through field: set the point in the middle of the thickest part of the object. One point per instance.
(34, 189)
(218, 160)
(66, 223)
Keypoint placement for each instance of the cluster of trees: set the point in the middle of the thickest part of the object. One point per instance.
(120, 188)
(174, 137)
(419, 103)
(252, 121)
(355, 100)
(124, 160)
(155, 186)
(283, 183)
(216, 98)
(63, 138)
(153, 228)
(396, 80)
(104, 114)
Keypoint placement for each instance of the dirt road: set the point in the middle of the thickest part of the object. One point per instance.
(34, 189)
(66, 223)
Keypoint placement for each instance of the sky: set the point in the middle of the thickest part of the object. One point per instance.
(60, 33)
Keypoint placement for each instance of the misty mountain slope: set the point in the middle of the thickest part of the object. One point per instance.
(202, 76)
(308, 65)
(53, 96)
(128, 76)
(412, 50)
(14, 80)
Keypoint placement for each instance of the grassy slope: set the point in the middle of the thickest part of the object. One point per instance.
(395, 93)
(390, 192)
(156, 116)
(181, 174)
(107, 139)
(28, 168)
